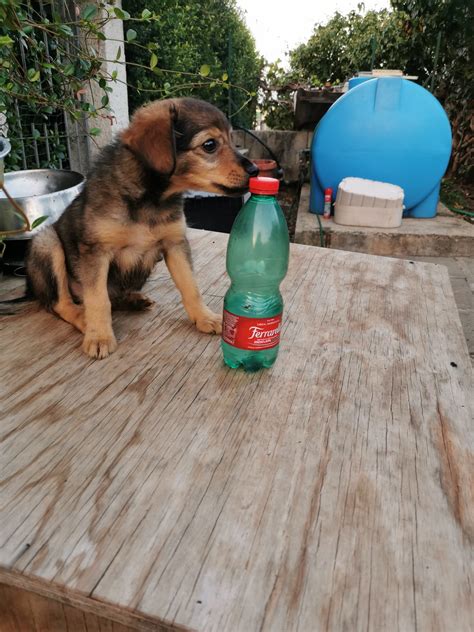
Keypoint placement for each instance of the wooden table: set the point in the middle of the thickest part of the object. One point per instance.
(158, 490)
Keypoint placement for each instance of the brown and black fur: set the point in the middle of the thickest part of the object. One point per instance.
(100, 252)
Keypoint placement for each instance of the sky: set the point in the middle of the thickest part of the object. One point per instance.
(281, 25)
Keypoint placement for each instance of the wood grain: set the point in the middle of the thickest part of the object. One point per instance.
(332, 492)
(23, 611)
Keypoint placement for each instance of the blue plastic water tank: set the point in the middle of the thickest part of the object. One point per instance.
(387, 129)
(355, 81)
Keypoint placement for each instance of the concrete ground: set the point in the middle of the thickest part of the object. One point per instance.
(446, 235)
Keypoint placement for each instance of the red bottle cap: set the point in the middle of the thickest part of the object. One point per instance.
(264, 186)
(328, 191)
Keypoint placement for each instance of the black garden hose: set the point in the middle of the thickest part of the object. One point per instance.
(259, 140)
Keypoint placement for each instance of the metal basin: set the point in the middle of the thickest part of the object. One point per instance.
(5, 149)
(39, 192)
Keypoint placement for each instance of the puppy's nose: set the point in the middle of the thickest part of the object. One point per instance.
(251, 169)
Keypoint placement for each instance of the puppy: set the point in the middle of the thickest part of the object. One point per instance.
(100, 252)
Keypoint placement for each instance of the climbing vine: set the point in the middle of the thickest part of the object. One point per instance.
(51, 56)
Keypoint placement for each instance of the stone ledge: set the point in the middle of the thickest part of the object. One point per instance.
(442, 236)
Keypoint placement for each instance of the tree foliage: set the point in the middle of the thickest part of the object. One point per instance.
(352, 42)
(441, 51)
(431, 39)
(334, 52)
(208, 37)
(277, 88)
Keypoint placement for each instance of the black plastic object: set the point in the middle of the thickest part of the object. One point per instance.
(212, 213)
(14, 255)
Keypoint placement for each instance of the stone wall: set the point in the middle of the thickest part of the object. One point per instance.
(286, 145)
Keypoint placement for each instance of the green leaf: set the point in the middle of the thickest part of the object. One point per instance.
(153, 60)
(120, 14)
(85, 65)
(6, 40)
(119, 54)
(225, 76)
(36, 133)
(89, 12)
(95, 131)
(33, 74)
(68, 70)
(131, 35)
(114, 75)
(146, 14)
(66, 30)
(38, 221)
(204, 70)
(105, 101)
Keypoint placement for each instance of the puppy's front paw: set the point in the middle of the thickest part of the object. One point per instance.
(99, 345)
(209, 323)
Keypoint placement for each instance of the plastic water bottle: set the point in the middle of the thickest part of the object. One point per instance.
(257, 262)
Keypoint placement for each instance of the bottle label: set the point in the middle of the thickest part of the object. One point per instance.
(251, 334)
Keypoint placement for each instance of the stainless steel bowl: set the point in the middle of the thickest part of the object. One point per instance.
(5, 149)
(39, 192)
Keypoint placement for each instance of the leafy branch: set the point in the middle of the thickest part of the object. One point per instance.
(49, 62)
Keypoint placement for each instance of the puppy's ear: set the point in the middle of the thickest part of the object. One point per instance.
(151, 135)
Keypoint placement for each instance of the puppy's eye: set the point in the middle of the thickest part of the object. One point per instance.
(210, 146)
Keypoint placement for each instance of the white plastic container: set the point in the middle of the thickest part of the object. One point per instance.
(361, 202)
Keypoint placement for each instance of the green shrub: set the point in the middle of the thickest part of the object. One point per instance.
(208, 38)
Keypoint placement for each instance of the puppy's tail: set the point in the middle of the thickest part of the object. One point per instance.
(41, 280)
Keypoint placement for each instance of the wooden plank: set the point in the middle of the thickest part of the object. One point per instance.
(23, 611)
(334, 491)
